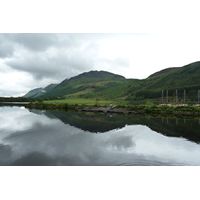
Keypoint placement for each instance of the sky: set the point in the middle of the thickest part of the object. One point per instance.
(31, 60)
(134, 39)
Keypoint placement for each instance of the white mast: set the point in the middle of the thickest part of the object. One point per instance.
(176, 96)
(184, 96)
(167, 96)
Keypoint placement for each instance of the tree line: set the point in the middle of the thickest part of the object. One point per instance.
(16, 99)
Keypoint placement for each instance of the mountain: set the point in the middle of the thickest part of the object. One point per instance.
(106, 85)
(39, 91)
(175, 78)
(85, 83)
(163, 71)
(171, 79)
(32, 93)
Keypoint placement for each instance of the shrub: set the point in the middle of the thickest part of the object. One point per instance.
(65, 106)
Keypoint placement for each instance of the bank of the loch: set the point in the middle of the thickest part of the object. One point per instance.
(129, 109)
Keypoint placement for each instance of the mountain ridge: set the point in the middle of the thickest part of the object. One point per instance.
(37, 92)
(84, 83)
(102, 84)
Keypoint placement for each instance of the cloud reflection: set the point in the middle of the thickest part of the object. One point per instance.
(30, 139)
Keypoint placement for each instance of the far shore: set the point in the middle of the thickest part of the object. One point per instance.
(140, 109)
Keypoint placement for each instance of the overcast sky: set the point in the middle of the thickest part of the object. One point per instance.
(119, 38)
(35, 60)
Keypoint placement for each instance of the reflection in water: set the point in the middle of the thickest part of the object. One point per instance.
(60, 138)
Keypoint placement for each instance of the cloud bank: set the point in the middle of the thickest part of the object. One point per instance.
(30, 60)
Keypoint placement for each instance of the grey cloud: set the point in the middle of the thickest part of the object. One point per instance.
(43, 41)
(60, 65)
(40, 68)
(122, 142)
(6, 153)
(35, 41)
(10, 42)
(35, 65)
(5, 150)
(6, 48)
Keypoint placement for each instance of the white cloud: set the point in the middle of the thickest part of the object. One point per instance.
(134, 144)
(33, 59)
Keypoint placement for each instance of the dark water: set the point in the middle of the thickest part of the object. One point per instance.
(35, 137)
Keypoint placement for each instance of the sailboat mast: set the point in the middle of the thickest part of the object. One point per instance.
(167, 96)
(184, 96)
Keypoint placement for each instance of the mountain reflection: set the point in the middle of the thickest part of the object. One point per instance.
(68, 138)
(100, 123)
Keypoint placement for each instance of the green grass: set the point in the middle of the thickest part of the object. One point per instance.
(89, 101)
(75, 95)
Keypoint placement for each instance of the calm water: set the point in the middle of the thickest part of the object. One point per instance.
(35, 137)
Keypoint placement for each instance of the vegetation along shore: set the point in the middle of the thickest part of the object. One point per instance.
(120, 109)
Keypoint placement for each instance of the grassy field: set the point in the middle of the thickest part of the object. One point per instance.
(89, 101)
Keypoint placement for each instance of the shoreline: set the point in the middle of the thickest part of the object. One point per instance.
(163, 110)
(124, 111)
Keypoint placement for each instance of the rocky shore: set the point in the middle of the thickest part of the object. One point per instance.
(181, 111)
(108, 110)
(124, 111)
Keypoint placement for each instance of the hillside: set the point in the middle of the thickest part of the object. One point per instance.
(87, 82)
(163, 71)
(171, 79)
(180, 79)
(183, 78)
(106, 85)
(35, 93)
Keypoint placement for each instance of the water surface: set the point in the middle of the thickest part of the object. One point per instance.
(35, 137)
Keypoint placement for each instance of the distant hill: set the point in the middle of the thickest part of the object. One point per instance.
(84, 83)
(181, 78)
(177, 78)
(35, 93)
(163, 71)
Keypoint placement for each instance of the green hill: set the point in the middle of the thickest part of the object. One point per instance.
(35, 93)
(85, 83)
(106, 85)
(177, 78)
(183, 78)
